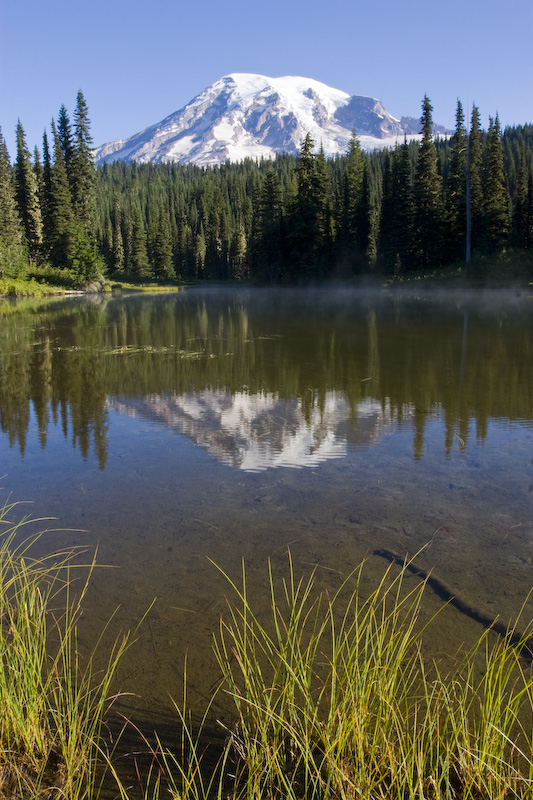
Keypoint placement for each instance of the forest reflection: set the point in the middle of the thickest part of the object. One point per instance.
(260, 378)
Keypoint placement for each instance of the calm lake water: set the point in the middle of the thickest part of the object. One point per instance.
(179, 431)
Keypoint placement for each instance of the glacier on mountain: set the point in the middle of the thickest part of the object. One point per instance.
(243, 115)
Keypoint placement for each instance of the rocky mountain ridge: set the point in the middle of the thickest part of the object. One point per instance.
(243, 115)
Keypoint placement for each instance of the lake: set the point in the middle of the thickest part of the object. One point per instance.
(177, 432)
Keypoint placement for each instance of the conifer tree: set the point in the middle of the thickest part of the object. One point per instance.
(10, 226)
(528, 235)
(402, 208)
(268, 255)
(369, 218)
(38, 172)
(475, 184)
(117, 251)
(159, 248)
(62, 233)
(306, 173)
(46, 198)
(238, 251)
(13, 257)
(386, 239)
(456, 189)
(138, 262)
(200, 250)
(348, 208)
(87, 265)
(81, 170)
(427, 197)
(27, 196)
(325, 225)
(397, 212)
(523, 206)
(353, 187)
(64, 132)
(308, 225)
(496, 201)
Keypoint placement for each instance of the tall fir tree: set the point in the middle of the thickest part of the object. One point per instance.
(62, 228)
(496, 199)
(87, 264)
(353, 187)
(138, 262)
(159, 247)
(428, 238)
(238, 250)
(46, 198)
(13, 256)
(117, 250)
(309, 215)
(27, 196)
(523, 205)
(81, 171)
(349, 216)
(325, 223)
(402, 209)
(64, 132)
(456, 210)
(38, 172)
(386, 240)
(397, 212)
(268, 246)
(369, 217)
(200, 250)
(475, 160)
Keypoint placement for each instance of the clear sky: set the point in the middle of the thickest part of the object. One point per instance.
(137, 61)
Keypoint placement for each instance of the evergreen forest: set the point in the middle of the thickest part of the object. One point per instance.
(463, 199)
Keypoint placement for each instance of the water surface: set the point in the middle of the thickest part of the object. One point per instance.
(205, 427)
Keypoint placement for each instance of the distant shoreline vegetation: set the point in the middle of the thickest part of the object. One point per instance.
(457, 209)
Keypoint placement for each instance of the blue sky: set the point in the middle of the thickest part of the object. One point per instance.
(137, 62)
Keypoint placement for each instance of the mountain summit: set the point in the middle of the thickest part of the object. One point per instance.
(251, 116)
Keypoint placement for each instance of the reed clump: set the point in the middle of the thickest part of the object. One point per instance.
(52, 702)
(334, 699)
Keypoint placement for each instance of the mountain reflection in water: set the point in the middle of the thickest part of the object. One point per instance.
(262, 431)
(308, 373)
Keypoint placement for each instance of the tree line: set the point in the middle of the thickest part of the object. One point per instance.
(48, 208)
(418, 206)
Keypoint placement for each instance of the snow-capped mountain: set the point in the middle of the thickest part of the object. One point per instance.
(251, 116)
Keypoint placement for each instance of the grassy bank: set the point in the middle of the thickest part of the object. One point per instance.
(507, 269)
(43, 281)
(16, 287)
(333, 696)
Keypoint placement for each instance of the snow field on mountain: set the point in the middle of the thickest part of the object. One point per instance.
(244, 115)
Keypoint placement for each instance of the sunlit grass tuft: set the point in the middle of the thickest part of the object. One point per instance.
(334, 699)
(52, 705)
